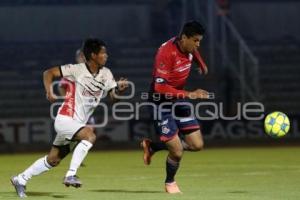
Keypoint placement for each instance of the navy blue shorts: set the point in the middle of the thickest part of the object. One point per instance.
(180, 121)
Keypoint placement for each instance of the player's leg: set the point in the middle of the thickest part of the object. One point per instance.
(193, 141)
(55, 155)
(86, 138)
(91, 123)
(150, 147)
(187, 125)
(192, 137)
(166, 128)
(172, 163)
(73, 145)
(189, 129)
(68, 130)
(168, 131)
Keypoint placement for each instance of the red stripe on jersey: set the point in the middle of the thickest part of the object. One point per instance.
(68, 107)
(190, 127)
(64, 83)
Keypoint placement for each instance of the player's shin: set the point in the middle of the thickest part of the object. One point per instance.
(171, 169)
(79, 154)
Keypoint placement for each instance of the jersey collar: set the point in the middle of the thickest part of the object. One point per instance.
(88, 68)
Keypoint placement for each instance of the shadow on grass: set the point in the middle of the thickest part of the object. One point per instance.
(34, 194)
(127, 191)
(46, 194)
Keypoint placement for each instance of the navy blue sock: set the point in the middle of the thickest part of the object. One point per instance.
(171, 169)
(157, 146)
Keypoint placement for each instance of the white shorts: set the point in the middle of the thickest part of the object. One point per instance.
(65, 127)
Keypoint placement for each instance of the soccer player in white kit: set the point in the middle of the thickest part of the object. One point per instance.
(88, 83)
(64, 83)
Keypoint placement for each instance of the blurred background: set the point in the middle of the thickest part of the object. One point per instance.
(251, 47)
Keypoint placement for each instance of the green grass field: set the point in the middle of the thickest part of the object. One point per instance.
(214, 174)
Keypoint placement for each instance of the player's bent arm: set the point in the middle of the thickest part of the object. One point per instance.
(199, 94)
(116, 92)
(113, 96)
(168, 89)
(200, 62)
(48, 76)
(61, 91)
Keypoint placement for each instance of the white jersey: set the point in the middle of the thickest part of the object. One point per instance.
(84, 90)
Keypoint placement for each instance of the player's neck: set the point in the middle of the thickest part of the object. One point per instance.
(180, 47)
(93, 67)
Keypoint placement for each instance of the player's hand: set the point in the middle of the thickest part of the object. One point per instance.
(51, 97)
(199, 94)
(122, 84)
(203, 70)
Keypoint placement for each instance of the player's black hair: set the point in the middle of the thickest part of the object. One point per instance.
(192, 28)
(92, 45)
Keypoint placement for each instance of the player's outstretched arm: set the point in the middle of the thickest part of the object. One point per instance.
(48, 77)
(200, 62)
(122, 85)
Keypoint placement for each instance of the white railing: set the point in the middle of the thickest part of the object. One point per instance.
(220, 28)
(248, 86)
(242, 63)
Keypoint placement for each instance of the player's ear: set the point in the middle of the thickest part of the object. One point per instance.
(184, 37)
(93, 55)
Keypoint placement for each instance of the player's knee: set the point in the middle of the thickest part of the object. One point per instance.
(92, 128)
(176, 155)
(89, 136)
(86, 134)
(198, 146)
(53, 161)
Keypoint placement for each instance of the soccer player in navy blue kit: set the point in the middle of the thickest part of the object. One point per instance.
(171, 69)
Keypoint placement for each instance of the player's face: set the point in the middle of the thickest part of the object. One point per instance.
(101, 57)
(191, 43)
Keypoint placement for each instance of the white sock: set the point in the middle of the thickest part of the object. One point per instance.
(78, 156)
(38, 167)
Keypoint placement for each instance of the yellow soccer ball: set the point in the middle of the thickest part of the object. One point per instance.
(277, 124)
